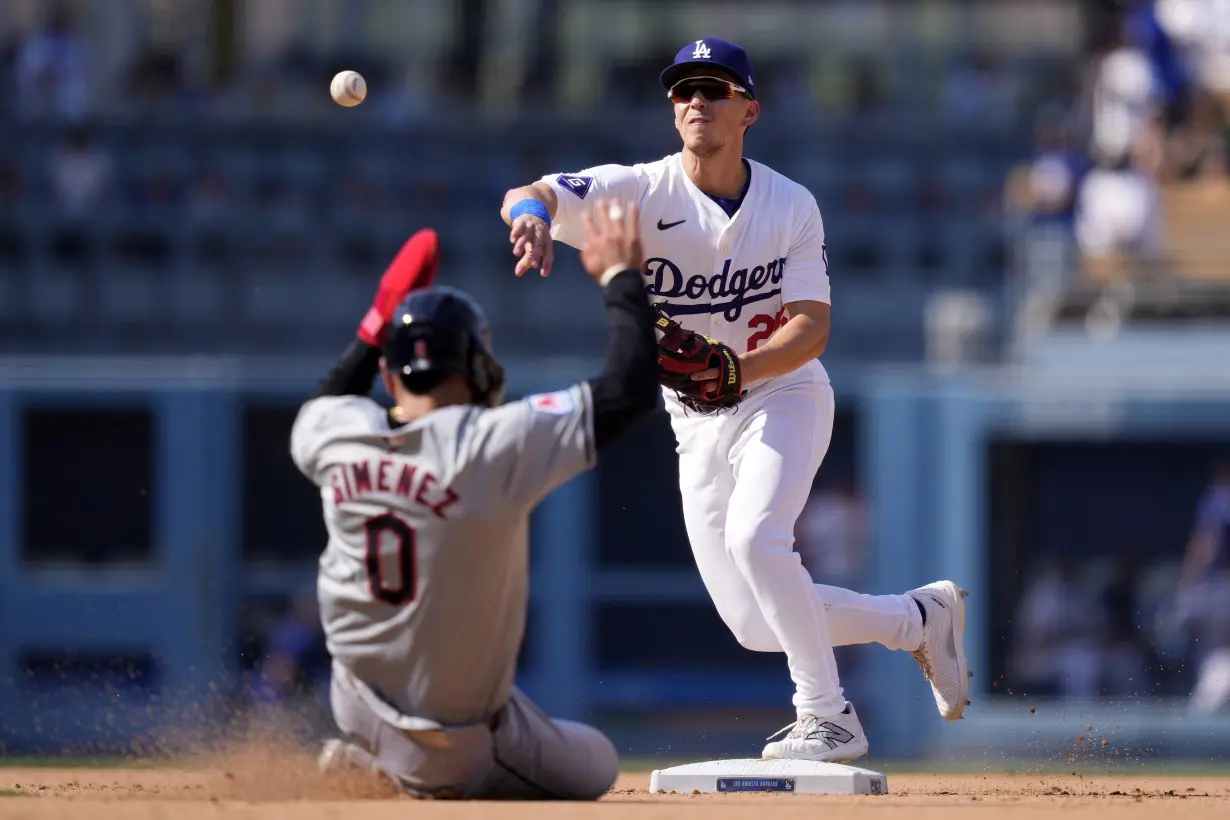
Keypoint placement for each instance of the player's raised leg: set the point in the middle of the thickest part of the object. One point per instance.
(894, 621)
(706, 484)
(928, 622)
(941, 652)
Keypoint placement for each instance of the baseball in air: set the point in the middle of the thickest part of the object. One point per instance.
(348, 88)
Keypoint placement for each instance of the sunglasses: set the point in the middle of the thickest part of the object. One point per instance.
(711, 88)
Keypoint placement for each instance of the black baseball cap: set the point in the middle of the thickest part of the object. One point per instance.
(710, 51)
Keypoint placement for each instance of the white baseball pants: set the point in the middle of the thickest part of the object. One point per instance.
(745, 477)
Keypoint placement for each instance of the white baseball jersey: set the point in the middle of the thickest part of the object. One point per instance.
(744, 476)
(423, 583)
(726, 277)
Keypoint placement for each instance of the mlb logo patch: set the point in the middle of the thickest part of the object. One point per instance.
(577, 184)
(559, 403)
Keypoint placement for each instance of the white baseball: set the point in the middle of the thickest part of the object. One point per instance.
(616, 212)
(348, 88)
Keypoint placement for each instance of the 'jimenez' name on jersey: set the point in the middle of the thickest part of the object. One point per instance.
(423, 582)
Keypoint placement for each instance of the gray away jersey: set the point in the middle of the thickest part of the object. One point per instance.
(423, 584)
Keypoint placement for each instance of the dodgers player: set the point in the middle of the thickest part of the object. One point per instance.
(423, 583)
(736, 251)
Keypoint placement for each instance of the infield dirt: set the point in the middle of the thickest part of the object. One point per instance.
(287, 788)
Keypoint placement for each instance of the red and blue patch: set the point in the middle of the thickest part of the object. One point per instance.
(559, 403)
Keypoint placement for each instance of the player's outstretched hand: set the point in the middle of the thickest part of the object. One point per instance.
(612, 237)
(414, 268)
(531, 240)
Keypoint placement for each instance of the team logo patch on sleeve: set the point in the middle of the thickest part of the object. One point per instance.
(577, 184)
(559, 403)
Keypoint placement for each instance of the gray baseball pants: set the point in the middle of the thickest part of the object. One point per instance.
(521, 754)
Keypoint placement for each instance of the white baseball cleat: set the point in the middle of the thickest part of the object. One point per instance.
(338, 755)
(941, 656)
(833, 739)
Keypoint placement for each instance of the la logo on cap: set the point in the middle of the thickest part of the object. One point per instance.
(702, 51)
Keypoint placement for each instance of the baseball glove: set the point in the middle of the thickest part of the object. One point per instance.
(682, 353)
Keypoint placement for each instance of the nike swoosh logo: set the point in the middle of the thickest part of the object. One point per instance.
(664, 225)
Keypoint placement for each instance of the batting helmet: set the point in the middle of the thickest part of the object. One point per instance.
(440, 331)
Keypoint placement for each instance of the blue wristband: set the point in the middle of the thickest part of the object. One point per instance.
(532, 207)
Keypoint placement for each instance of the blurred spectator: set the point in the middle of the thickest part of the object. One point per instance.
(1055, 648)
(1212, 691)
(1119, 217)
(1054, 175)
(831, 535)
(1125, 98)
(80, 174)
(51, 69)
(1201, 29)
(1040, 198)
(1203, 600)
(1208, 549)
(1146, 33)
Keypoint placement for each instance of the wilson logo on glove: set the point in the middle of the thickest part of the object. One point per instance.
(684, 353)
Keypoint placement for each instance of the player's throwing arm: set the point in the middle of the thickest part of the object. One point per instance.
(528, 211)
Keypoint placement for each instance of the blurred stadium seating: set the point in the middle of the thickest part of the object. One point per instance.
(225, 239)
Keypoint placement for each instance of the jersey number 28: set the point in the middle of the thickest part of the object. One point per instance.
(391, 561)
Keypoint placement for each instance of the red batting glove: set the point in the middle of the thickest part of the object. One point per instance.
(414, 268)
